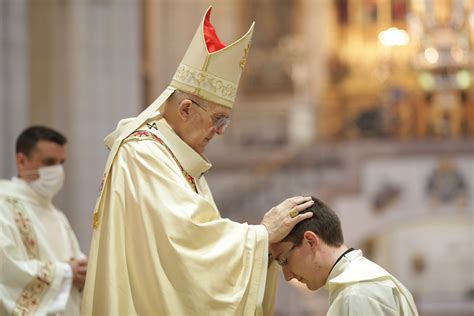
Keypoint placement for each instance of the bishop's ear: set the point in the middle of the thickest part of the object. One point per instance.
(184, 109)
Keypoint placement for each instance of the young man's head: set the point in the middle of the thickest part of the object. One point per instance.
(38, 147)
(310, 250)
(195, 120)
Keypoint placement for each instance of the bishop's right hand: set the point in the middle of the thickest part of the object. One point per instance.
(281, 219)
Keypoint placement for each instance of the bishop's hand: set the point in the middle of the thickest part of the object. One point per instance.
(281, 219)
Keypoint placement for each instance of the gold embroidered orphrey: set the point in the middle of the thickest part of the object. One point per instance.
(146, 135)
(95, 217)
(23, 224)
(33, 292)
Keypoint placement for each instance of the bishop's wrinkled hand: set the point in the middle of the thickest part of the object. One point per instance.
(281, 219)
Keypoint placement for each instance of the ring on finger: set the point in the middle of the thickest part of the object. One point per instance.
(293, 212)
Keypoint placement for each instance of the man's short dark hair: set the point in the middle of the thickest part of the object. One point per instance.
(27, 140)
(324, 223)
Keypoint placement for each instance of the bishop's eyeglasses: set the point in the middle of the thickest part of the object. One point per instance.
(219, 123)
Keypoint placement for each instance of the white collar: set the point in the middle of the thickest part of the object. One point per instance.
(193, 163)
(20, 189)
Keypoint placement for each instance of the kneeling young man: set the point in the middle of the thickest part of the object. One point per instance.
(314, 253)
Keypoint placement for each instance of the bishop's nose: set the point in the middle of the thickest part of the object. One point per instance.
(220, 130)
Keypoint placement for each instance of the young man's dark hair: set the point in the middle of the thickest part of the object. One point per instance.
(324, 223)
(27, 140)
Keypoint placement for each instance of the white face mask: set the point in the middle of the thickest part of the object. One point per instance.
(50, 181)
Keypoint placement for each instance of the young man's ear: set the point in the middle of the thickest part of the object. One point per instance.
(311, 239)
(21, 164)
(21, 160)
(184, 109)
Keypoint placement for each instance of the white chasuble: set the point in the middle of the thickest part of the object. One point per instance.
(36, 241)
(160, 246)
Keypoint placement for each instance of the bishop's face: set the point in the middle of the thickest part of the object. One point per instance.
(204, 121)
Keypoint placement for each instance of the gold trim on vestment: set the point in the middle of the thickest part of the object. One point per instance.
(32, 294)
(23, 224)
(142, 135)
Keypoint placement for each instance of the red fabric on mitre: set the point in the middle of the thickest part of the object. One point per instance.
(213, 42)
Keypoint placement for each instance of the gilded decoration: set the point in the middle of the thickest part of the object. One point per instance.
(205, 81)
(23, 224)
(95, 220)
(33, 293)
(243, 61)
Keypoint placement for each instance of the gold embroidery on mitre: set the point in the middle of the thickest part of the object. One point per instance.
(25, 229)
(33, 293)
(205, 81)
(243, 61)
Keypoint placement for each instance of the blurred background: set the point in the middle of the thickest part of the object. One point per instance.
(367, 104)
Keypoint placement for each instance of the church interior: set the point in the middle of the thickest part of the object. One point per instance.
(366, 104)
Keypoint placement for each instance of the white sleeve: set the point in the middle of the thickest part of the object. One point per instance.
(58, 302)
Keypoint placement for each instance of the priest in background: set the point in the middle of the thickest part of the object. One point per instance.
(42, 269)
